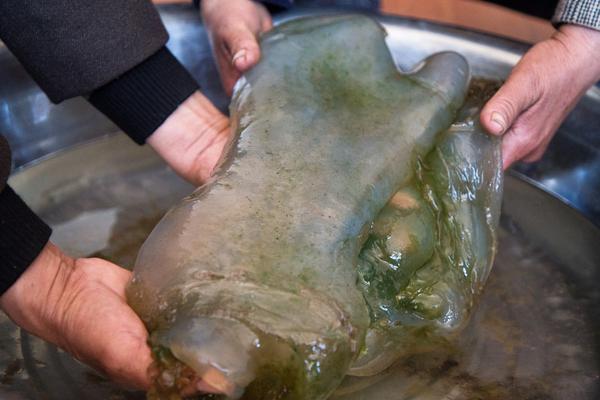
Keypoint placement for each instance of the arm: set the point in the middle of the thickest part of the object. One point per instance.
(39, 288)
(114, 53)
(119, 61)
(547, 83)
(80, 306)
(77, 304)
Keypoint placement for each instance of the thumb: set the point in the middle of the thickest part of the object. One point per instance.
(514, 97)
(242, 45)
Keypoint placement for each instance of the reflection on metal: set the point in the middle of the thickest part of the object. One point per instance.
(35, 127)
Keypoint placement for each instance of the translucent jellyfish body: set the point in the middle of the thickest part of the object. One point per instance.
(256, 282)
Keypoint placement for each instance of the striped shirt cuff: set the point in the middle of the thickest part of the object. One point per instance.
(578, 12)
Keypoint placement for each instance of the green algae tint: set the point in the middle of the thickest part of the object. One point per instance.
(431, 248)
(347, 220)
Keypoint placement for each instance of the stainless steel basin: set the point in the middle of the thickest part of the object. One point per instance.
(570, 168)
(534, 335)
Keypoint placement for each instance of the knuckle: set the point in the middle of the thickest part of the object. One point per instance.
(507, 106)
(536, 86)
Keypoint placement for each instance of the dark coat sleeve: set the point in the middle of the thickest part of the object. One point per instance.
(22, 233)
(5, 158)
(109, 50)
(112, 51)
(72, 47)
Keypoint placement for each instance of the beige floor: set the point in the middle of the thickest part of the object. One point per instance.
(473, 14)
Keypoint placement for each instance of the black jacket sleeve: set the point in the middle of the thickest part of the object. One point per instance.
(110, 50)
(22, 233)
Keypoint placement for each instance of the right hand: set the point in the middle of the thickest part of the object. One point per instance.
(541, 91)
(233, 27)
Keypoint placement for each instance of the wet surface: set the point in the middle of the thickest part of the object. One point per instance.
(532, 336)
(528, 339)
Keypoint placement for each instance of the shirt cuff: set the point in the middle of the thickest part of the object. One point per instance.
(23, 235)
(578, 12)
(140, 100)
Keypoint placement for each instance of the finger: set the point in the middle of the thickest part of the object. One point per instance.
(537, 153)
(514, 146)
(241, 45)
(125, 358)
(198, 385)
(229, 75)
(138, 376)
(266, 23)
(514, 97)
(529, 135)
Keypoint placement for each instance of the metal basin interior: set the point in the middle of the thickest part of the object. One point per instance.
(534, 335)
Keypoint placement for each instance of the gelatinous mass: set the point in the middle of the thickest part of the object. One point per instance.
(351, 222)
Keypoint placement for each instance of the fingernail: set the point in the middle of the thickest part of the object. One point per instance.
(498, 123)
(238, 58)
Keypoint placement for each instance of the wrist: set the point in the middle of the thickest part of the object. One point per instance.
(36, 299)
(192, 139)
(582, 45)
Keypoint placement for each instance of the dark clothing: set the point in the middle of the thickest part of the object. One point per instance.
(278, 5)
(22, 233)
(111, 51)
(541, 9)
(142, 98)
(578, 12)
(74, 47)
(4, 161)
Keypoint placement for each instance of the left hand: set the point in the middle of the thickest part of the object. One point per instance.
(541, 91)
(80, 306)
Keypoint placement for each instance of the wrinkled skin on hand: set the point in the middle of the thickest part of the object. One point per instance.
(253, 281)
(541, 91)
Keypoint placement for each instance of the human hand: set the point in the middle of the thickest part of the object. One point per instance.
(233, 28)
(193, 139)
(79, 305)
(541, 91)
